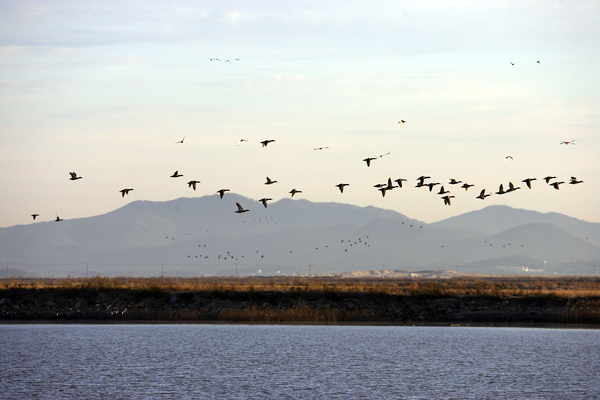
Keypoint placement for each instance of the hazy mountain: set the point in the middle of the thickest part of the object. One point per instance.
(204, 236)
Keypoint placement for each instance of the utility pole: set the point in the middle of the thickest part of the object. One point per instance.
(86, 270)
(6, 271)
(236, 270)
(162, 269)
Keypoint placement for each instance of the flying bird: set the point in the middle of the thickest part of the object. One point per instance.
(482, 195)
(294, 191)
(422, 178)
(241, 141)
(269, 181)
(569, 142)
(263, 201)
(124, 192)
(574, 181)
(538, 62)
(447, 200)
(500, 190)
(176, 174)
(368, 160)
(507, 157)
(548, 178)
(401, 122)
(58, 219)
(442, 191)
(384, 154)
(528, 181)
(511, 187)
(341, 186)
(181, 141)
(222, 192)
(466, 186)
(321, 148)
(193, 184)
(511, 63)
(431, 185)
(266, 142)
(555, 185)
(74, 176)
(383, 190)
(454, 181)
(389, 184)
(35, 215)
(240, 208)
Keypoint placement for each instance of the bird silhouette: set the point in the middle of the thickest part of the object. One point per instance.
(222, 192)
(508, 157)
(240, 208)
(384, 154)
(442, 191)
(294, 191)
(431, 185)
(548, 178)
(466, 186)
(421, 180)
(181, 141)
(401, 122)
(193, 184)
(511, 187)
(321, 148)
(454, 181)
(555, 185)
(74, 176)
(176, 174)
(528, 181)
(341, 186)
(35, 215)
(383, 190)
(242, 141)
(569, 142)
(511, 63)
(574, 181)
(447, 200)
(539, 62)
(58, 219)
(399, 181)
(482, 195)
(266, 142)
(269, 181)
(264, 201)
(368, 160)
(124, 192)
(500, 190)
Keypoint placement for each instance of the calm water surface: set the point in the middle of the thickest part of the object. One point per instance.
(296, 362)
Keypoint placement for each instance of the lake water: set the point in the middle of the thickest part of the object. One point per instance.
(296, 362)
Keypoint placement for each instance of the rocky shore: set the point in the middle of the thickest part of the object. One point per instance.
(292, 307)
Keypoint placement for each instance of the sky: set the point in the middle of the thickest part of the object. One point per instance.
(106, 89)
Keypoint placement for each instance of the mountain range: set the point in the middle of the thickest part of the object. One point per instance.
(204, 236)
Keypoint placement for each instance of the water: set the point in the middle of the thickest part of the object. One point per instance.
(296, 362)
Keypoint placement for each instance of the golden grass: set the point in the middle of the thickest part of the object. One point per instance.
(463, 286)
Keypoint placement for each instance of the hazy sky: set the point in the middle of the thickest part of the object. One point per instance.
(106, 88)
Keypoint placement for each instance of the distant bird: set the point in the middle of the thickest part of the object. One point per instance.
(222, 192)
(242, 141)
(321, 148)
(384, 154)
(193, 184)
(240, 208)
(124, 192)
(442, 191)
(511, 187)
(383, 190)
(341, 186)
(555, 185)
(399, 181)
(294, 191)
(176, 174)
(368, 160)
(431, 185)
(421, 180)
(482, 195)
(181, 141)
(74, 176)
(574, 181)
(507, 157)
(269, 181)
(500, 190)
(35, 215)
(466, 186)
(447, 200)
(58, 219)
(401, 122)
(454, 181)
(569, 142)
(548, 178)
(528, 181)
(389, 185)
(263, 201)
(379, 185)
(511, 63)
(266, 142)
(538, 62)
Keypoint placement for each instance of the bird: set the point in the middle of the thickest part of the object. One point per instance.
(539, 62)
(431, 185)
(193, 184)
(124, 192)
(442, 191)
(511, 63)
(500, 190)
(74, 176)
(389, 185)
(222, 192)
(321, 148)
(466, 186)
(368, 160)
(58, 219)
(384, 154)
(454, 181)
(447, 200)
(35, 215)
(482, 195)
(266, 142)
(341, 186)
(528, 181)
(294, 191)
(401, 122)
(555, 185)
(241, 141)
(511, 187)
(176, 174)
(269, 181)
(240, 208)
(547, 179)
(421, 180)
(383, 190)
(507, 157)
(574, 181)
(264, 201)
(569, 142)
(181, 141)
(399, 181)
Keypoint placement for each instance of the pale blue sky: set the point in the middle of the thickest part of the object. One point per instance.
(105, 89)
